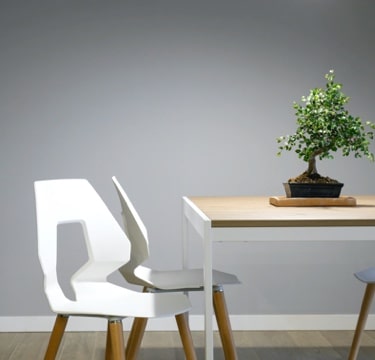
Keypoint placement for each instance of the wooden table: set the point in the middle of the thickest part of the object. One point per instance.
(247, 218)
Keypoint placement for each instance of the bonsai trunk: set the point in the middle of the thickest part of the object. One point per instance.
(311, 175)
(312, 172)
(311, 169)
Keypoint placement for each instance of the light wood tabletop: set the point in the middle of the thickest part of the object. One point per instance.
(250, 211)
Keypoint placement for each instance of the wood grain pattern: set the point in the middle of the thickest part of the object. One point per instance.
(250, 211)
(340, 201)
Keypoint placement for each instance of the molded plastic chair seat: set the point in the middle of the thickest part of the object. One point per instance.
(60, 202)
(116, 301)
(367, 276)
(189, 279)
(171, 281)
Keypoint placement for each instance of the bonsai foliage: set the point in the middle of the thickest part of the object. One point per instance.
(325, 126)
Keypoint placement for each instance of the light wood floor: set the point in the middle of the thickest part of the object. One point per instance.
(257, 345)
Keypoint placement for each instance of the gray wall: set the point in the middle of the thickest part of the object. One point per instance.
(178, 98)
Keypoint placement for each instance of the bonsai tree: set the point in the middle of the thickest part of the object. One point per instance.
(324, 127)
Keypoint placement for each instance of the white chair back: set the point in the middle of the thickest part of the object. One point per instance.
(137, 234)
(75, 201)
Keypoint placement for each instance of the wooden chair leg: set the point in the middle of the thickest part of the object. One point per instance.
(135, 338)
(223, 324)
(186, 338)
(136, 335)
(108, 347)
(365, 308)
(117, 339)
(56, 336)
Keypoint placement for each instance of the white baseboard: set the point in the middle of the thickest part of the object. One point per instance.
(239, 323)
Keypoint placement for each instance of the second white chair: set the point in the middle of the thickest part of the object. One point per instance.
(167, 281)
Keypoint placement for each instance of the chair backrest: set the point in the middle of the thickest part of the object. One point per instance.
(136, 232)
(75, 201)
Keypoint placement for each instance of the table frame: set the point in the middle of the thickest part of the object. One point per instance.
(254, 219)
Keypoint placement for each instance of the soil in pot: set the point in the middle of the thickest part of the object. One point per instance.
(312, 179)
(312, 186)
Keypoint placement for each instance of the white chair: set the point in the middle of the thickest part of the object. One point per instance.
(367, 276)
(60, 202)
(167, 281)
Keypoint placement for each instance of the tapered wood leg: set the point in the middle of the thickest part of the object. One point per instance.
(56, 336)
(136, 335)
(223, 323)
(185, 334)
(365, 308)
(135, 338)
(117, 339)
(108, 347)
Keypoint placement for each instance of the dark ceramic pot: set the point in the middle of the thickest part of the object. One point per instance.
(331, 190)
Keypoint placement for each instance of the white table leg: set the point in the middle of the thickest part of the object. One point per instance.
(208, 312)
(202, 224)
